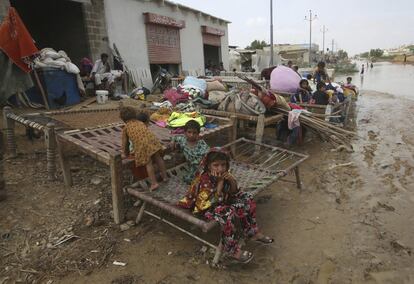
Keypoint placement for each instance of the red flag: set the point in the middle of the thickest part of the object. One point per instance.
(16, 41)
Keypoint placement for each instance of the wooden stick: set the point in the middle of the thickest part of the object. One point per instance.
(2, 182)
(42, 91)
(67, 176)
(50, 140)
(116, 185)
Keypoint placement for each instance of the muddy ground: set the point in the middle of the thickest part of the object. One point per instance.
(352, 223)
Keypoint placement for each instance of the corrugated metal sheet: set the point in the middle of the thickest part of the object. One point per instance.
(213, 40)
(163, 44)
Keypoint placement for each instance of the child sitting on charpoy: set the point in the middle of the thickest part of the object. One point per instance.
(147, 148)
(320, 97)
(302, 94)
(193, 148)
(214, 194)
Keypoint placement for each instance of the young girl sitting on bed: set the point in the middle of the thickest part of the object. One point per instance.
(215, 195)
(193, 148)
(147, 148)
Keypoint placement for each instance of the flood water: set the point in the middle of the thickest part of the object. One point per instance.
(385, 77)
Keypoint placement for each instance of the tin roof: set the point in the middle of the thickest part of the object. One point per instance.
(180, 6)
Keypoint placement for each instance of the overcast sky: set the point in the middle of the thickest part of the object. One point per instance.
(356, 25)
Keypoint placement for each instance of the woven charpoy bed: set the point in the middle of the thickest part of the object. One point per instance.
(261, 120)
(53, 121)
(104, 144)
(81, 121)
(254, 165)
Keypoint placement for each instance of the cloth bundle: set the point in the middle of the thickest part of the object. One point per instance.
(190, 91)
(215, 86)
(60, 60)
(161, 116)
(195, 83)
(140, 93)
(175, 96)
(178, 119)
(243, 102)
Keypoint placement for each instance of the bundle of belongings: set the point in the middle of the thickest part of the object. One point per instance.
(50, 58)
(193, 87)
(176, 120)
(242, 102)
(139, 93)
(194, 92)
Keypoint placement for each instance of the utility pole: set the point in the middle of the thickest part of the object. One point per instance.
(324, 30)
(271, 33)
(310, 19)
(333, 42)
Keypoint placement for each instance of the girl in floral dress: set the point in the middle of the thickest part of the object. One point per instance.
(193, 148)
(215, 195)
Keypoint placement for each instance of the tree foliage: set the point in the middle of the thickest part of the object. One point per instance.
(365, 54)
(342, 54)
(257, 44)
(376, 53)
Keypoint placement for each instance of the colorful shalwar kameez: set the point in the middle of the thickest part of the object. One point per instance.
(202, 199)
(193, 155)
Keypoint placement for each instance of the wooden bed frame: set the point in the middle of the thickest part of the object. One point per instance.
(49, 124)
(45, 123)
(254, 170)
(104, 144)
(261, 120)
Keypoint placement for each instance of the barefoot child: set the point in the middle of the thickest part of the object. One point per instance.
(215, 195)
(193, 148)
(146, 146)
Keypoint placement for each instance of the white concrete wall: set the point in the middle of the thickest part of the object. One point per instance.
(126, 28)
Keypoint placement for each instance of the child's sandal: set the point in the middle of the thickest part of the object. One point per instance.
(244, 258)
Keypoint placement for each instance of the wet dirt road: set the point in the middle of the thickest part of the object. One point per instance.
(352, 223)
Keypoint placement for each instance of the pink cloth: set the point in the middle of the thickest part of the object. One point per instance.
(293, 119)
(162, 124)
(294, 106)
(175, 97)
(284, 79)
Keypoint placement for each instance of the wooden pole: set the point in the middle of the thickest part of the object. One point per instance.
(298, 181)
(67, 176)
(260, 130)
(8, 124)
(233, 133)
(2, 182)
(42, 91)
(115, 164)
(50, 140)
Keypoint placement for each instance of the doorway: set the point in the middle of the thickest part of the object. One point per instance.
(212, 56)
(56, 24)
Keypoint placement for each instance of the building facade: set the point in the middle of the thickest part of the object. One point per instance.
(147, 33)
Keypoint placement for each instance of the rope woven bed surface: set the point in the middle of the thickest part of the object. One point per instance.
(106, 140)
(79, 119)
(254, 169)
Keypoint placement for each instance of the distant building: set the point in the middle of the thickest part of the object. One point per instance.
(397, 51)
(259, 59)
(147, 33)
